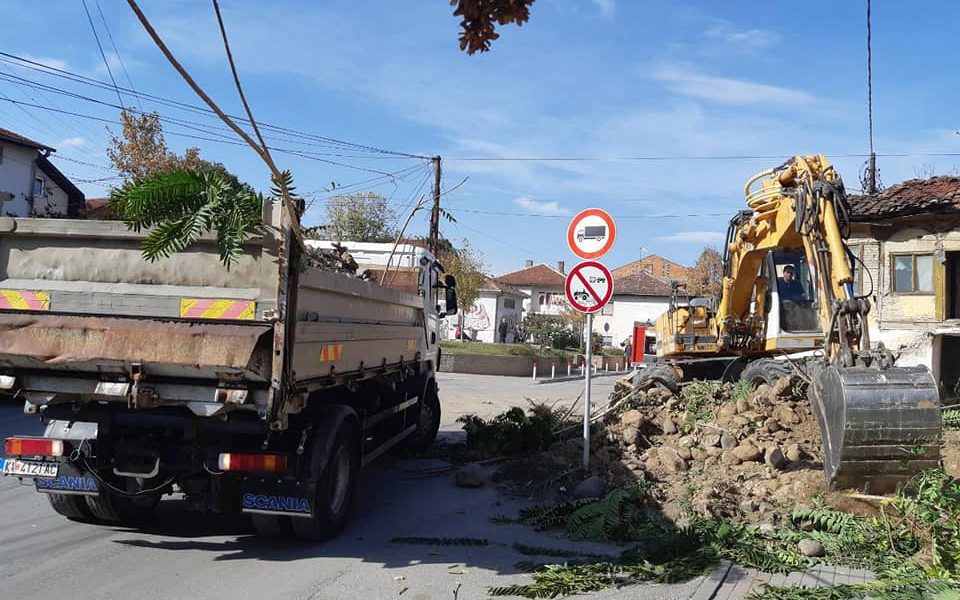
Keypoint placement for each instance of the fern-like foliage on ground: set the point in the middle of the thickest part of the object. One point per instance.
(180, 206)
(913, 547)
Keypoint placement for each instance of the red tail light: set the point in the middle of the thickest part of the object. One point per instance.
(257, 463)
(33, 447)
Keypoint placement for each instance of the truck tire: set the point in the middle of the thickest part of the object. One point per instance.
(429, 422)
(766, 370)
(334, 489)
(113, 508)
(70, 506)
(271, 525)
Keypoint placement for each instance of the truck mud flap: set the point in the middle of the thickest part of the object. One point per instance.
(272, 497)
(70, 480)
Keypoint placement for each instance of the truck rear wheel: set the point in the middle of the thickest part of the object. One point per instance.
(113, 508)
(334, 490)
(72, 507)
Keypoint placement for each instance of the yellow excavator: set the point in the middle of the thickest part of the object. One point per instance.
(788, 289)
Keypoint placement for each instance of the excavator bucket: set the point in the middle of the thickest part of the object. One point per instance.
(880, 427)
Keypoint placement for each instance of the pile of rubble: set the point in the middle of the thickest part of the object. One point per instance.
(721, 450)
(713, 449)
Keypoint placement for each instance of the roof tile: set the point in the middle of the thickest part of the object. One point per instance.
(640, 284)
(538, 275)
(939, 194)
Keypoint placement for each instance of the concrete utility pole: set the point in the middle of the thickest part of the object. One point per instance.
(435, 212)
(872, 174)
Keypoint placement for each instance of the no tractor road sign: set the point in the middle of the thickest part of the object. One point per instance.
(589, 286)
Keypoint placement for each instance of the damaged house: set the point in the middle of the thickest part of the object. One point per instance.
(908, 239)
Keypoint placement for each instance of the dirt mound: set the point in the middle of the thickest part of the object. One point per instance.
(714, 449)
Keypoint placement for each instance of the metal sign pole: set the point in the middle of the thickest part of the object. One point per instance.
(586, 393)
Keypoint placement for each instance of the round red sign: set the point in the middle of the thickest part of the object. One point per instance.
(591, 233)
(589, 286)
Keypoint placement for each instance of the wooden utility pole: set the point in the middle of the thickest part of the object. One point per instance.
(435, 211)
(872, 174)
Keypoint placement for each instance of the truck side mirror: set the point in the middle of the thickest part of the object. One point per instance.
(451, 300)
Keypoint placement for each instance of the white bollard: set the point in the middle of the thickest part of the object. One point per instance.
(534, 370)
(568, 368)
(553, 370)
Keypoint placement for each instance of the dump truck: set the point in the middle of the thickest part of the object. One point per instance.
(260, 389)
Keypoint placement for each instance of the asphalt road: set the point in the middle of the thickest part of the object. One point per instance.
(183, 555)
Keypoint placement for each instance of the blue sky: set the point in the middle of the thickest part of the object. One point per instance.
(600, 79)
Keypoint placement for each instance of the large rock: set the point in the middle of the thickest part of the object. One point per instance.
(470, 476)
(591, 487)
(632, 418)
(630, 436)
(727, 411)
(775, 458)
(729, 458)
(668, 426)
(786, 415)
(783, 387)
(671, 461)
(728, 442)
(794, 453)
(811, 548)
(743, 405)
(747, 452)
(771, 425)
(711, 440)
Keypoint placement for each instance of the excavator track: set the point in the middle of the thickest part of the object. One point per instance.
(880, 427)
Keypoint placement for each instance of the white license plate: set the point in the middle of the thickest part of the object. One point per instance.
(30, 468)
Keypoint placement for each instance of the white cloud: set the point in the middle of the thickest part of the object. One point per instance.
(541, 207)
(607, 7)
(725, 32)
(700, 237)
(723, 90)
(73, 142)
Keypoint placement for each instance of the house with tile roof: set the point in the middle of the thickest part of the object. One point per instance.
(543, 286)
(30, 185)
(906, 245)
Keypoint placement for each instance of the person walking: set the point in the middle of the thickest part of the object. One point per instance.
(503, 330)
(628, 353)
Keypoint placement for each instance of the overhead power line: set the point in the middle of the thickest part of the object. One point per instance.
(566, 216)
(82, 79)
(116, 52)
(223, 140)
(106, 63)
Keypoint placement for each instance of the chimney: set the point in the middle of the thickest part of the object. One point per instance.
(528, 263)
(560, 266)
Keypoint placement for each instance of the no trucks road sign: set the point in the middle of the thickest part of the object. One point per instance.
(591, 233)
(589, 286)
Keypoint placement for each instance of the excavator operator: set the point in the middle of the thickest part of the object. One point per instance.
(789, 286)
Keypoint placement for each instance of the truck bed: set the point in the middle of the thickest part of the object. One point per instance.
(80, 308)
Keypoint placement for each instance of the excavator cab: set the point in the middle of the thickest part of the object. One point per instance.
(796, 297)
